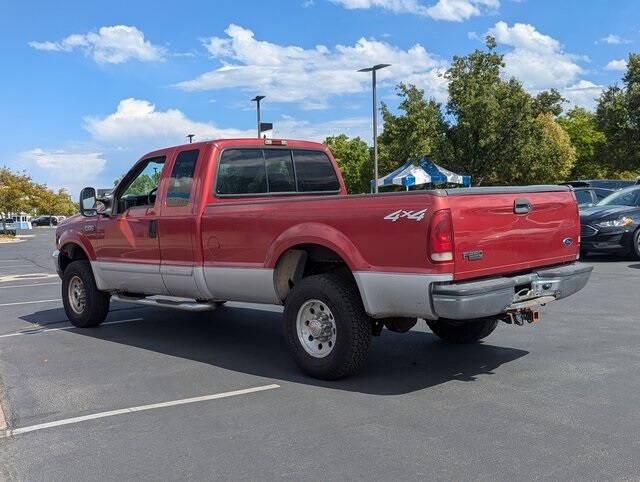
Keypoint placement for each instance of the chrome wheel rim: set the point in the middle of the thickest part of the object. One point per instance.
(77, 295)
(316, 327)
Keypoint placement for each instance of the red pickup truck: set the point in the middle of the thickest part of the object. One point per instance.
(270, 221)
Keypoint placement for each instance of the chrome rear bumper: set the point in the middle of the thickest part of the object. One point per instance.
(493, 296)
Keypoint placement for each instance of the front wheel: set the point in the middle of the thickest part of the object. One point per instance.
(326, 328)
(84, 304)
(635, 249)
(463, 332)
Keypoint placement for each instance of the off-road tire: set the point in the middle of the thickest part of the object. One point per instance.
(353, 326)
(97, 302)
(635, 248)
(468, 332)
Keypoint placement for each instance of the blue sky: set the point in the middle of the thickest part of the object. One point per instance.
(88, 88)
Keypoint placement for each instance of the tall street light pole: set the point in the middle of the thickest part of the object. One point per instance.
(257, 100)
(375, 120)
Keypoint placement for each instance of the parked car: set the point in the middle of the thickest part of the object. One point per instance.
(590, 196)
(602, 183)
(612, 226)
(270, 221)
(45, 221)
(8, 226)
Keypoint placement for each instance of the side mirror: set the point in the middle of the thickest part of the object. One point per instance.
(88, 206)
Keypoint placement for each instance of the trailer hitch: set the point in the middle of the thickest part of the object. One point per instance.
(518, 317)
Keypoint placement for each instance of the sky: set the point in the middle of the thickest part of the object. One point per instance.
(87, 88)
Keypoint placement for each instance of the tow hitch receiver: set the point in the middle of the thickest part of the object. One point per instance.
(518, 317)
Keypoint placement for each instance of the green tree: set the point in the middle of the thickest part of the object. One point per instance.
(549, 102)
(354, 159)
(618, 117)
(418, 132)
(500, 131)
(588, 141)
(16, 193)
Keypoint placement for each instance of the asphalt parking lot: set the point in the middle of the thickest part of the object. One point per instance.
(558, 400)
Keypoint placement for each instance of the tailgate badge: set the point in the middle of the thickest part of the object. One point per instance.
(473, 255)
(567, 241)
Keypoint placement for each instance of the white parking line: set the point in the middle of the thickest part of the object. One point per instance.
(31, 284)
(37, 331)
(14, 266)
(140, 408)
(30, 302)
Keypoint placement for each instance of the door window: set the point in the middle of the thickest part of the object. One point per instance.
(583, 196)
(182, 178)
(141, 189)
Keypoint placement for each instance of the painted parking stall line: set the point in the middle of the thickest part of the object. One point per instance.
(38, 331)
(29, 285)
(30, 302)
(140, 408)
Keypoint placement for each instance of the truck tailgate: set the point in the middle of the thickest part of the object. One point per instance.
(507, 230)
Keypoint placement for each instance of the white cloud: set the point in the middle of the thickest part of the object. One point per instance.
(583, 93)
(536, 59)
(137, 123)
(613, 39)
(64, 168)
(113, 45)
(292, 128)
(617, 65)
(450, 10)
(308, 76)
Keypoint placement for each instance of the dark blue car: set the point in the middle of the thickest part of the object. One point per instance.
(612, 226)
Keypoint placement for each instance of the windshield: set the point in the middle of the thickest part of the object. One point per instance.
(626, 197)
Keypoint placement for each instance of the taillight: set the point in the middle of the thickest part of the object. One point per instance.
(441, 236)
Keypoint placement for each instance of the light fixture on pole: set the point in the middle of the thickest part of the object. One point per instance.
(191, 136)
(257, 100)
(375, 120)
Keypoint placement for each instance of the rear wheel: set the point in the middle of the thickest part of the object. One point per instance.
(326, 328)
(84, 304)
(463, 332)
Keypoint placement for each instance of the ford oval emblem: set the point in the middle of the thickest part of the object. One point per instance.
(567, 241)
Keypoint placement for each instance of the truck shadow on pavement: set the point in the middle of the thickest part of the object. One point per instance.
(250, 341)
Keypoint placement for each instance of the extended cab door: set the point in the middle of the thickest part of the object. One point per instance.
(177, 227)
(128, 248)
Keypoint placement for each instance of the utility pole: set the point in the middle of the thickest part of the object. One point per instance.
(375, 120)
(257, 100)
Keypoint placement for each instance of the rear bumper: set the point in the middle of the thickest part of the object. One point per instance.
(493, 296)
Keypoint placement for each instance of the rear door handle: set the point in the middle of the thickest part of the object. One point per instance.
(153, 228)
(521, 206)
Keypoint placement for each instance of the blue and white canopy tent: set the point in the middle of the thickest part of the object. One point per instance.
(415, 173)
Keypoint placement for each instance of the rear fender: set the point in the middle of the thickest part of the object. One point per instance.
(320, 234)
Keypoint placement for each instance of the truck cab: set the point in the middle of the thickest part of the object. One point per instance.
(270, 221)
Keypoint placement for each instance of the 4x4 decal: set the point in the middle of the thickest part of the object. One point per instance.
(401, 213)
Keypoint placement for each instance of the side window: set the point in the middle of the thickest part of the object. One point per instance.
(314, 171)
(182, 178)
(280, 174)
(144, 183)
(241, 171)
(583, 196)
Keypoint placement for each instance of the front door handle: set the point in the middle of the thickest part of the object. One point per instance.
(153, 228)
(521, 206)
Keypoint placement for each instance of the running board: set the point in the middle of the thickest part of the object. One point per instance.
(167, 302)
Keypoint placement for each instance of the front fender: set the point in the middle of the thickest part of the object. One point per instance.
(320, 234)
(74, 236)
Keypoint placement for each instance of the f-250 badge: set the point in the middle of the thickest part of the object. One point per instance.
(401, 213)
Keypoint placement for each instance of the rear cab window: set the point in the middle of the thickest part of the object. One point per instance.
(254, 172)
(181, 180)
